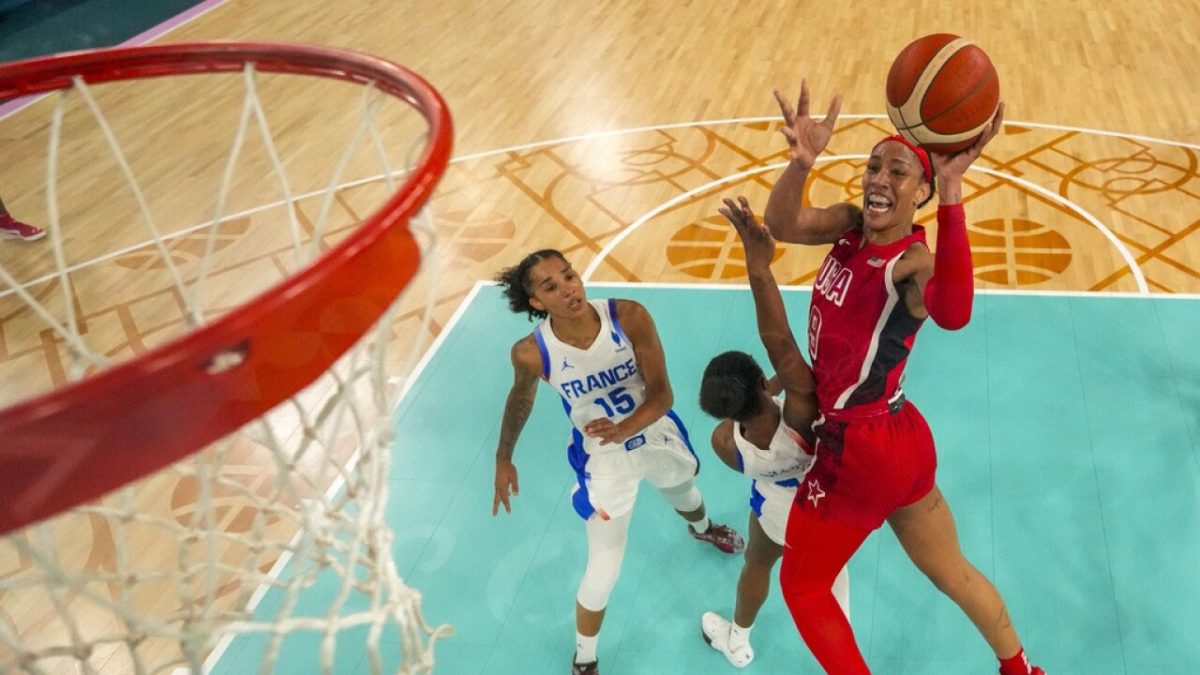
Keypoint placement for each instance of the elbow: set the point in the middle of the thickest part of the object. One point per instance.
(949, 304)
(953, 317)
(952, 320)
(775, 223)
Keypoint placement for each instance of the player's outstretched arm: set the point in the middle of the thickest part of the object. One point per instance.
(786, 216)
(639, 328)
(527, 365)
(793, 372)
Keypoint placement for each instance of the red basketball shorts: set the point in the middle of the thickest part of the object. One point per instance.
(867, 467)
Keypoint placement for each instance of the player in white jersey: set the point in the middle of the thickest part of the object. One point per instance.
(766, 438)
(605, 361)
(755, 438)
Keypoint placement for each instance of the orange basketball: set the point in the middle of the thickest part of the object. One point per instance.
(941, 92)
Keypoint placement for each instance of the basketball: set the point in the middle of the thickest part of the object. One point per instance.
(941, 92)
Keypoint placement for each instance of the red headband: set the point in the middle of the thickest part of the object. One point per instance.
(921, 154)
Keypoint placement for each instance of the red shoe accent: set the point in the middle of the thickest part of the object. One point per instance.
(11, 228)
(725, 538)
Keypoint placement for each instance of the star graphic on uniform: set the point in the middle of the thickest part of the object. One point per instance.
(815, 492)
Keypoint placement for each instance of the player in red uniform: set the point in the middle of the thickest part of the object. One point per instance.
(875, 454)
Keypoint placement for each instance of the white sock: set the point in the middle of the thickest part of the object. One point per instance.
(700, 526)
(737, 635)
(585, 647)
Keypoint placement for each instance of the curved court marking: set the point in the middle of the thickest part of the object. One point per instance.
(774, 118)
(686, 196)
(1130, 261)
(579, 137)
(1143, 288)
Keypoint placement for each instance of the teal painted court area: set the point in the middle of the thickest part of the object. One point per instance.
(1068, 430)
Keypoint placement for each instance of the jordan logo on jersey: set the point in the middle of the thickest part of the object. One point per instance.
(565, 365)
(834, 281)
(616, 338)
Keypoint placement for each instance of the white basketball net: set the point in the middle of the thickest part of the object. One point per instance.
(275, 536)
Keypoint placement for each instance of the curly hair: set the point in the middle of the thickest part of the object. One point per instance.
(730, 387)
(515, 281)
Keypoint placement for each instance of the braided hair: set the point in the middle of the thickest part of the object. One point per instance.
(730, 387)
(515, 281)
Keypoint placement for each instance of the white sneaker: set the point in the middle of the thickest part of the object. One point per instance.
(715, 629)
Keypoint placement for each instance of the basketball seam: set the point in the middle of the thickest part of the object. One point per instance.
(929, 73)
(950, 108)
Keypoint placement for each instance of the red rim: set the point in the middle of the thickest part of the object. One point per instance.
(80, 441)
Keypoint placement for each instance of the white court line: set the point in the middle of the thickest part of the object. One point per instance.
(632, 227)
(1108, 234)
(681, 285)
(774, 118)
(1095, 222)
(526, 146)
(436, 346)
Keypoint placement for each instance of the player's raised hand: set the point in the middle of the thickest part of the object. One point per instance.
(506, 486)
(758, 242)
(805, 136)
(955, 165)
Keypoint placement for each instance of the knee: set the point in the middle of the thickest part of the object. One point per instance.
(597, 583)
(798, 589)
(684, 498)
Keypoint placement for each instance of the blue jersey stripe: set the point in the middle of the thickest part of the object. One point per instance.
(683, 432)
(578, 459)
(541, 343)
(616, 323)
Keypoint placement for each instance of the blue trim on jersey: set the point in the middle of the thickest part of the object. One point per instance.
(756, 499)
(616, 323)
(541, 343)
(741, 461)
(683, 432)
(578, 458)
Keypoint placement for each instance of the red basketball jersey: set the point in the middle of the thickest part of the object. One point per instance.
(859, 331)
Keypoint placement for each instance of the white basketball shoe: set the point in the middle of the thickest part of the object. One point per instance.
(715, 629)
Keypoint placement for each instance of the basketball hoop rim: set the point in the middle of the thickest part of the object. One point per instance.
(65, 447)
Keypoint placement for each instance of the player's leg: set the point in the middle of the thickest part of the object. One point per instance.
(928, 534)
(606, 549)
(816, 553)
(670, 464)
(685, 498)
(754, 584)
(11, 228)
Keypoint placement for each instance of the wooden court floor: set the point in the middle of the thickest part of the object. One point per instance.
(610, 131)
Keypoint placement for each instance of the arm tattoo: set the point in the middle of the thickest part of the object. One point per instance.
(516, 412)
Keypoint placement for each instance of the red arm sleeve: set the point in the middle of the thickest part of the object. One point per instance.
(949, 293)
